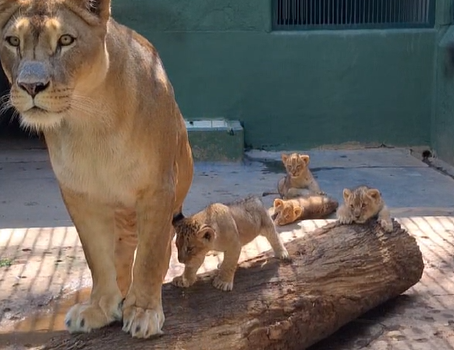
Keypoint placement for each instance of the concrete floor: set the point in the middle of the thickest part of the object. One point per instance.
(48, 267)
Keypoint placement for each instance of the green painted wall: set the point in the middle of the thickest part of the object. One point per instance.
(290, 90)
(442, 126)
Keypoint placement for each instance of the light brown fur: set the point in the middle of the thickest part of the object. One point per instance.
(223, 228)
(117, 143)
(287, 211)
(299, 177)
(364, 203)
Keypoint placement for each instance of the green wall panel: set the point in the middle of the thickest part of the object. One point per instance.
(290, 90)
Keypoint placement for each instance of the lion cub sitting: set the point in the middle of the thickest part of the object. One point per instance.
(298, 177)
(362, 204)
(287, 211)
(223, 228)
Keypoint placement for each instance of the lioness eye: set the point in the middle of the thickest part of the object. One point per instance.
(13, 40)
(363, 205)
(66, 40)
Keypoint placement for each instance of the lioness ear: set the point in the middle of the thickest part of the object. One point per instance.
(278, 203)
(305, 158)
(298, 211)
(7, 9)
(206, 233)
(284, 157)
(346, 193)
(374, 193)
(98, 8)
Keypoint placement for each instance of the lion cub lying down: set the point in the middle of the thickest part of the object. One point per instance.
(287, 211)
(224, 228)
(362, 204)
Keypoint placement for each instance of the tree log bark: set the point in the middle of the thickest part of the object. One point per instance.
(338, 273)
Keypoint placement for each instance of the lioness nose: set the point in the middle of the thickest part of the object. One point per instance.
(35, 88)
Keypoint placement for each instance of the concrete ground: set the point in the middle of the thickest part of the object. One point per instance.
(42, 266)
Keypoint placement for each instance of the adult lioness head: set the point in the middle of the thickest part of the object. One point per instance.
(53, 52)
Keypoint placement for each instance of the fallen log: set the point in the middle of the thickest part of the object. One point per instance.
(338, 273)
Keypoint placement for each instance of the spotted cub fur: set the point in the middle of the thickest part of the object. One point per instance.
(298, 179)
(224, 228)
(287, 211)
(361, 204)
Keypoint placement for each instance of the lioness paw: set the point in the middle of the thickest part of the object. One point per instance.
(182, 282)
(82, 318)
(222, 285)
(142, 323)
(387, 225)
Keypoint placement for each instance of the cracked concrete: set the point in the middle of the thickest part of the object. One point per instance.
(48, 268)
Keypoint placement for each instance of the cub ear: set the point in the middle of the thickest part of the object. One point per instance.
(206, 233)
(284, 157)
(305, 158)
(298, 211)
(100, 9)
(374, 193)
(278, 203)
(346, 193)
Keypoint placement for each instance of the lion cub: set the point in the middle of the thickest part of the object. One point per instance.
(362, 204)
(287, 211)
(298, 177)
(224, 228)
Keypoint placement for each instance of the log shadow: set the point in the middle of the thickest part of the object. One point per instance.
(181, 307)
(361, 332)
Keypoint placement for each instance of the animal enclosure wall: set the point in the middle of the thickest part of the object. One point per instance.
(331, 85)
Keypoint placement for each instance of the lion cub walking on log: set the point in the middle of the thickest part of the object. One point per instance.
(298, 178)
(362, 204)
(224, 228)
(287, 211)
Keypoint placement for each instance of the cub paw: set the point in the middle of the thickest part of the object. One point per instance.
(344, 220)
(222, 285)
(182, 282)
(284, 255)
(143, 323)
(387, 225)
(82, 318)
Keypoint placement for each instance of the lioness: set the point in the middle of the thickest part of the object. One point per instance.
(117, 144)
(224, 228)
(363, 203)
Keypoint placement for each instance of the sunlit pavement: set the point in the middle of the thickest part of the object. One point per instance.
(42, 264)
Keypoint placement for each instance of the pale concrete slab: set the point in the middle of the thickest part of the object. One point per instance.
(37, 236)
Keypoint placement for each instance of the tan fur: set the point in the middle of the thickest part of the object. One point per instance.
(287, 211)
(117, 144)
(364, 203)
(223, 228)
(299, 178)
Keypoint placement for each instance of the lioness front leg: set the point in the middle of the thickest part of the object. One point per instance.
(142, 309)
(125, 246)
(226, 274)
(94, 222)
